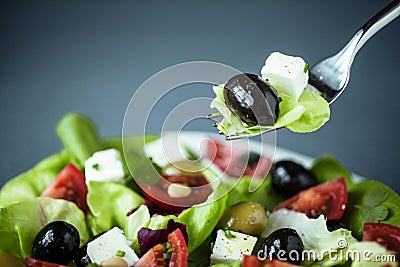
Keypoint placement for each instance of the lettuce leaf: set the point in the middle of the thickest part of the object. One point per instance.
(306, 114)
(327, 168)
(109, 204)
(314, 234)
(371, 201)
(20, 222)
(29, 185)
(369, 255)
(79, 137)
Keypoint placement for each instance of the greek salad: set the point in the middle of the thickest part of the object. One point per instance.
(82, 207)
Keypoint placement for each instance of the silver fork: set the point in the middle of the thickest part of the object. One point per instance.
(331, 75)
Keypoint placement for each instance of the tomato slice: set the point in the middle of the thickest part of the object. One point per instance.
(158, 194)
(236, 161)
(70, 185)
(387, 235)
(253, 261)
(31, 262)
(329, 199)
(179, 257)
(153, 257)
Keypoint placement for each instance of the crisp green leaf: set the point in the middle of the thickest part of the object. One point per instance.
(31, 184)
(20, 222)
(327, 168)
(79, 136)
(109, 204)
(375, 196)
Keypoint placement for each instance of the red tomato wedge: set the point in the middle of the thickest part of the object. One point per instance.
(30, 262)
(329, 199)
(158, 193)
(237, 161)
(253, 261)
(179, 256)
(155, 256)
(70, 185)
(387, 235)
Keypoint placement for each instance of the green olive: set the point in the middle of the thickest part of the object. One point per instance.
(9, 260)
(245, 217)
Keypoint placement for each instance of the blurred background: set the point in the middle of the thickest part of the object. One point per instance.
(90, 57)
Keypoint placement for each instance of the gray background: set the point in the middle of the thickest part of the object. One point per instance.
(90, 56)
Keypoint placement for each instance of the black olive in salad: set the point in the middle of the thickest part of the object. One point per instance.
(57, 242)
(289, 178)
(333, 225)
(252, 99)
(284, 244)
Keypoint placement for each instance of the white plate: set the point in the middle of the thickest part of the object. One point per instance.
(194, 138)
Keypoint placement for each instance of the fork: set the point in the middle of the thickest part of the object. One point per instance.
(330, 76)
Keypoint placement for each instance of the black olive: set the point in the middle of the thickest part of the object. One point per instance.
(289, 178)
(252, 99)
(82, 258)
(57, 242)
(284, 244)
(335, 224)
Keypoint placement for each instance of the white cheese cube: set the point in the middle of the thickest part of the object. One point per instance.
(108, 245)
(105, 166)
(287, 74)
(228, 250)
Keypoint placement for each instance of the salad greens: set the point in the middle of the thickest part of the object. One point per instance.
(109, 204)
(29, 185)
(306, 114)
(368, 201)
(23, 212)
(20, 222)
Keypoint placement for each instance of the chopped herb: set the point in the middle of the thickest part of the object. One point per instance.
(306, 68)
(168, 253)
(93, 265)
(228, 234)
(168, 247)
(120, 253)
(156, 166)
(96, 166)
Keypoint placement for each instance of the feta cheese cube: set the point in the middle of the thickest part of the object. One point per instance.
(228, 250)
(107, 246)
(287, 74)
(105, 166)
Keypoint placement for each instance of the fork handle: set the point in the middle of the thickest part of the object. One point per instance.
(372, 26)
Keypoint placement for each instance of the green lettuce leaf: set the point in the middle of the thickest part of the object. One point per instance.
(314, 234)
(31, 184)
(20, 222)
(79, 137)
(233, 264)
(327, 168)
(140, 218)
(109, 204)
(316, 113)
(371, 201)
(370, 254)
(306, 114)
